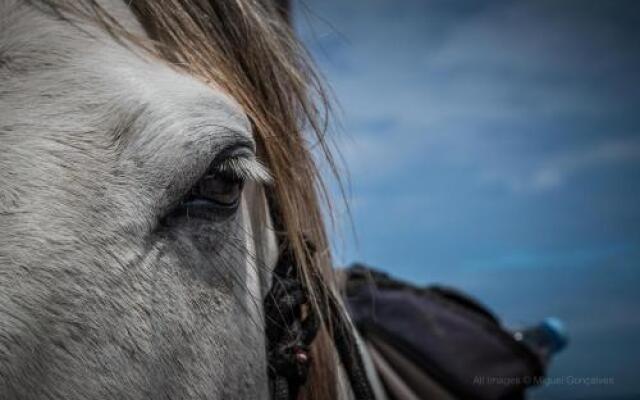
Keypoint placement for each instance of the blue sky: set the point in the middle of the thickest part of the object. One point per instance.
(495, 146)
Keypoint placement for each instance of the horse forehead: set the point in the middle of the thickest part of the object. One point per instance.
(62, 57)
(154, 85)
(131, 78)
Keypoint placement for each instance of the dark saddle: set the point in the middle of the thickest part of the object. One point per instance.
(439, 343)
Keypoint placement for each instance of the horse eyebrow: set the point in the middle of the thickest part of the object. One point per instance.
(246, 168)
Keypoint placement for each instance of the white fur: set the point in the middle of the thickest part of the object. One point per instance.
(100, 297)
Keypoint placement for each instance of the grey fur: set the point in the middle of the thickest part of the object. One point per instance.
(100, 298)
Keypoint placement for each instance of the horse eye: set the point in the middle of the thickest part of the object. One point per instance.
(218, 189)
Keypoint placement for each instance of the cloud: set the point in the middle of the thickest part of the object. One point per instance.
(553, 171)
(431, 88)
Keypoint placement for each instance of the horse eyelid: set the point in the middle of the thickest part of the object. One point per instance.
(244, 168)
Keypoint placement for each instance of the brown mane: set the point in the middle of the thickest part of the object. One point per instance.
(246, 48)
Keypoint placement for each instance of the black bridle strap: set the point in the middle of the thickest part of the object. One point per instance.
(348, 350)
(289, 335)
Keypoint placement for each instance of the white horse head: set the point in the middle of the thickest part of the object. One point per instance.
(135, 242)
